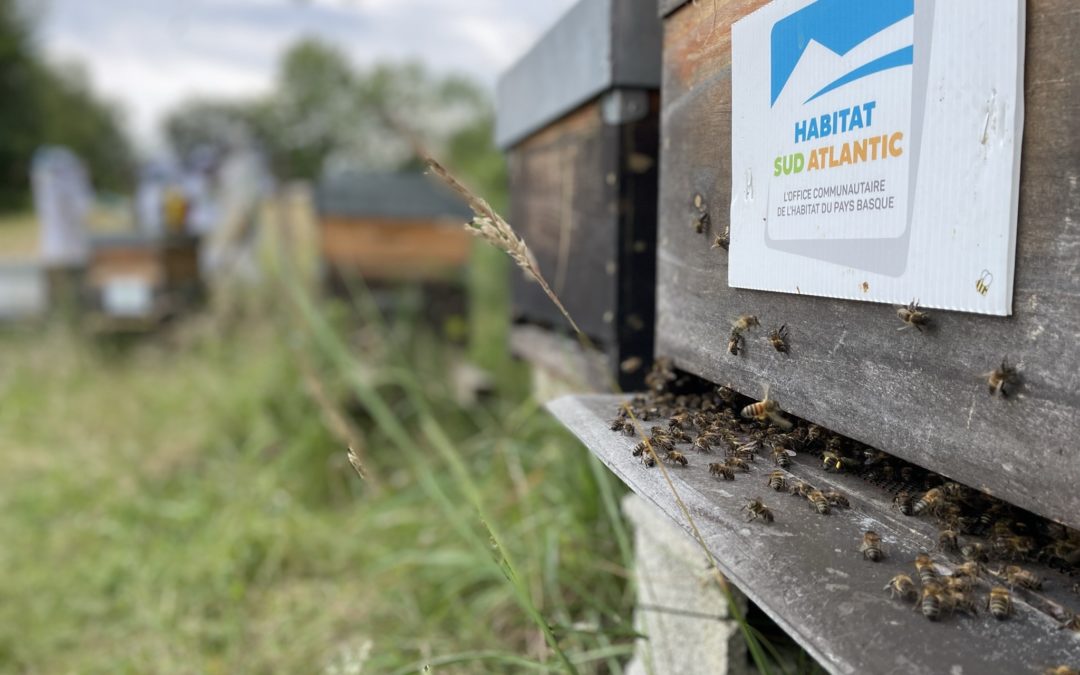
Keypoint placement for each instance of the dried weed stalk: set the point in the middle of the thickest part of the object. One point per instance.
(490, 226)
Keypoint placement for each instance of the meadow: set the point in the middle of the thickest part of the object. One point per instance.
(182, 503)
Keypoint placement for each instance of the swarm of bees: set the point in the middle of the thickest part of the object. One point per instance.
(974, 530)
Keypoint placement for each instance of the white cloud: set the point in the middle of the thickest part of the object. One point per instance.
(151, 55)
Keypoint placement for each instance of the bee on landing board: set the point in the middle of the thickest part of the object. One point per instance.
(777, 480)
(999, 603)
(924, 565)
(901, 586)
(675, 457)
(782, 457)
(755, 509)
(837, 499)
(912, 316)
(721, 470)
(735, 342)
(818, 502)
(902, 501)
(930, 502)
(934, 600)
(1000, 377)
(871, 546)
(1018, 576)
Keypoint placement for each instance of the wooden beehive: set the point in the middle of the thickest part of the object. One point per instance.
(578, 116)
(138, 280)
(920, 397)
(389, 227)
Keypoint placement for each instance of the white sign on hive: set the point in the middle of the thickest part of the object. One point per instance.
(876, 150)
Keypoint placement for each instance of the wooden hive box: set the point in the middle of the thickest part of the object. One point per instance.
(138, 280)
(920, 397)
(389, 227)
(578, 116)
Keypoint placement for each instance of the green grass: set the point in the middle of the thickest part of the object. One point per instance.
(178, 506)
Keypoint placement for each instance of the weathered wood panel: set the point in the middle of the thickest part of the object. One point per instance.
(583, 196)
(920, 397)
(383, 248)
(806, 573)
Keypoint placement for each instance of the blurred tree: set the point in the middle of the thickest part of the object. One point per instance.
(47, 105)
(324, 115)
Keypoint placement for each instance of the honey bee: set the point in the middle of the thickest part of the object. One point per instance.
(701, 222)
(1018, 576)
(799, 488)
(738, 464)
(777, 480)
(1071, 623)
(1061, 670)
(818, 502)
(721, 470)
(998, 378)
(1014, 547)
(679, 420)
(766, 410)
(969, 570)
(703, 443)
(912, 316)
(871, 546)
(746, 450)
(744, 322)
(648, 461)
(901, 586)
(947, 541)
(902, 501)
(735, 342)
(924, 565)
(999, 603)
(974, 552)
(617, 423)
(723, 240)
(930, 502)
(815, 433)
(782, 457)
(837, 499)
(755, 508)
(832, 461)
(778, 339)
(934, 600)
(959, 583)
(676, 457)
(962, 600)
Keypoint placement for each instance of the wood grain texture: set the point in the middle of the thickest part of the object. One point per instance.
(806, 573)
(583, 196)
(921, 397)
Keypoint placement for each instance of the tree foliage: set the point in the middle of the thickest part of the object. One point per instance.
(45, 105)
(324, 115)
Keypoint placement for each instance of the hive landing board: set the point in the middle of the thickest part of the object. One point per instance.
(876, 150)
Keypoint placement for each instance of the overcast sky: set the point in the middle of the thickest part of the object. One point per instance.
(148, 55)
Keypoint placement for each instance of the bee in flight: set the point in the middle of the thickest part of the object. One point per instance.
(912, 316)
(744, 323)
(767, 410)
